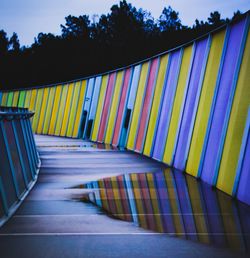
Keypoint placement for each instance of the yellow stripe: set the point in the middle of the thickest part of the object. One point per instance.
(43, 110)
(236, 125)
(173, 199)
(114, 107)
(99, 108)
(155, 106)
(73, 109)
(4, 99)
(27, 99)
(55, 109)
(178, 102)
(117, 197)
(138, 105)
(196, 202)
(67, 109)
(205, 103)
(61, 109)
(49, 110)
(79, 108)
(154, 202)
(138, 200)
(228, 213)
(15, 99)
(37, 108)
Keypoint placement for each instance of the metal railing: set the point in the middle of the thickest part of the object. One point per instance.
(19, 160)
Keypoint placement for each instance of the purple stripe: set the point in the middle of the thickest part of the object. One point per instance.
(185, 205)
(167, 105)
(243, 190)
(213, 214)
(225, 87)
(164, 202)
(190, 106)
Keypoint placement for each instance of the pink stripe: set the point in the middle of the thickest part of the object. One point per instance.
(121, 108)
(146, 105)
(106, 107)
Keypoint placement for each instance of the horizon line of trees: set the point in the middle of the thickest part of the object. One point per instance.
(84, 48)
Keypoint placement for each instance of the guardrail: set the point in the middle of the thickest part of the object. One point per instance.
(19, 160)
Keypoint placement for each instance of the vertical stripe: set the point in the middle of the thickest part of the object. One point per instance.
(236, 125)
(15, 98)
(122, 105)
(73, 109)
(56, 102)
(138, 105)
(218, 115)
(114, 107)
(42, 112)
(177, 105)
(37, 108)
(48, 113)
(170, 84)
(205, 103)
(67, 109)
(157, 100)
(79, 108)
(191, 103)
(99, 108)
(146, 105)
(106, 106)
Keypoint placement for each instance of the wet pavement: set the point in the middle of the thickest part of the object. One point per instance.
(95, 201)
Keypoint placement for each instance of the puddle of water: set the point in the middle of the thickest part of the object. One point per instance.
(171, 202)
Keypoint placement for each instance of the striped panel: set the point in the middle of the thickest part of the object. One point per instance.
(167, 103)
(114, 107)
(242, 180)
(99, 108)
(4, 99)
(205, 103)
(106, 107)
(137, 107)
(56, 102)
(15, 99)
(67, 105)
(177, 105)
(222, 100)
(81, 98)
(37, 108)
(236, 125)
(10, 99)
(152, 124)
(43, 110)
(86, 108)
(48, 113)
(21, 98)
(122, 105)
(73, 109)
(27, 99)
(146, 105)
(61, 109)
(191, 103)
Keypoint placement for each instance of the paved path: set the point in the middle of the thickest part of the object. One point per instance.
(53, 222)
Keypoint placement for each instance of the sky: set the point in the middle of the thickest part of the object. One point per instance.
(29, 17)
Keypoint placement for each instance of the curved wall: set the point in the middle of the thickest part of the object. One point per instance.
(187, 108)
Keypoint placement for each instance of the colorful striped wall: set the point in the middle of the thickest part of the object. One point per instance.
(187, 108)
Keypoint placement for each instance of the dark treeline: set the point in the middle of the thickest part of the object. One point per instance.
(123, 36)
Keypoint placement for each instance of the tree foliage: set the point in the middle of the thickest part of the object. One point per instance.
(86, 47)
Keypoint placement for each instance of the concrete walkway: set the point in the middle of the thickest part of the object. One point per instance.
(53, 222)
